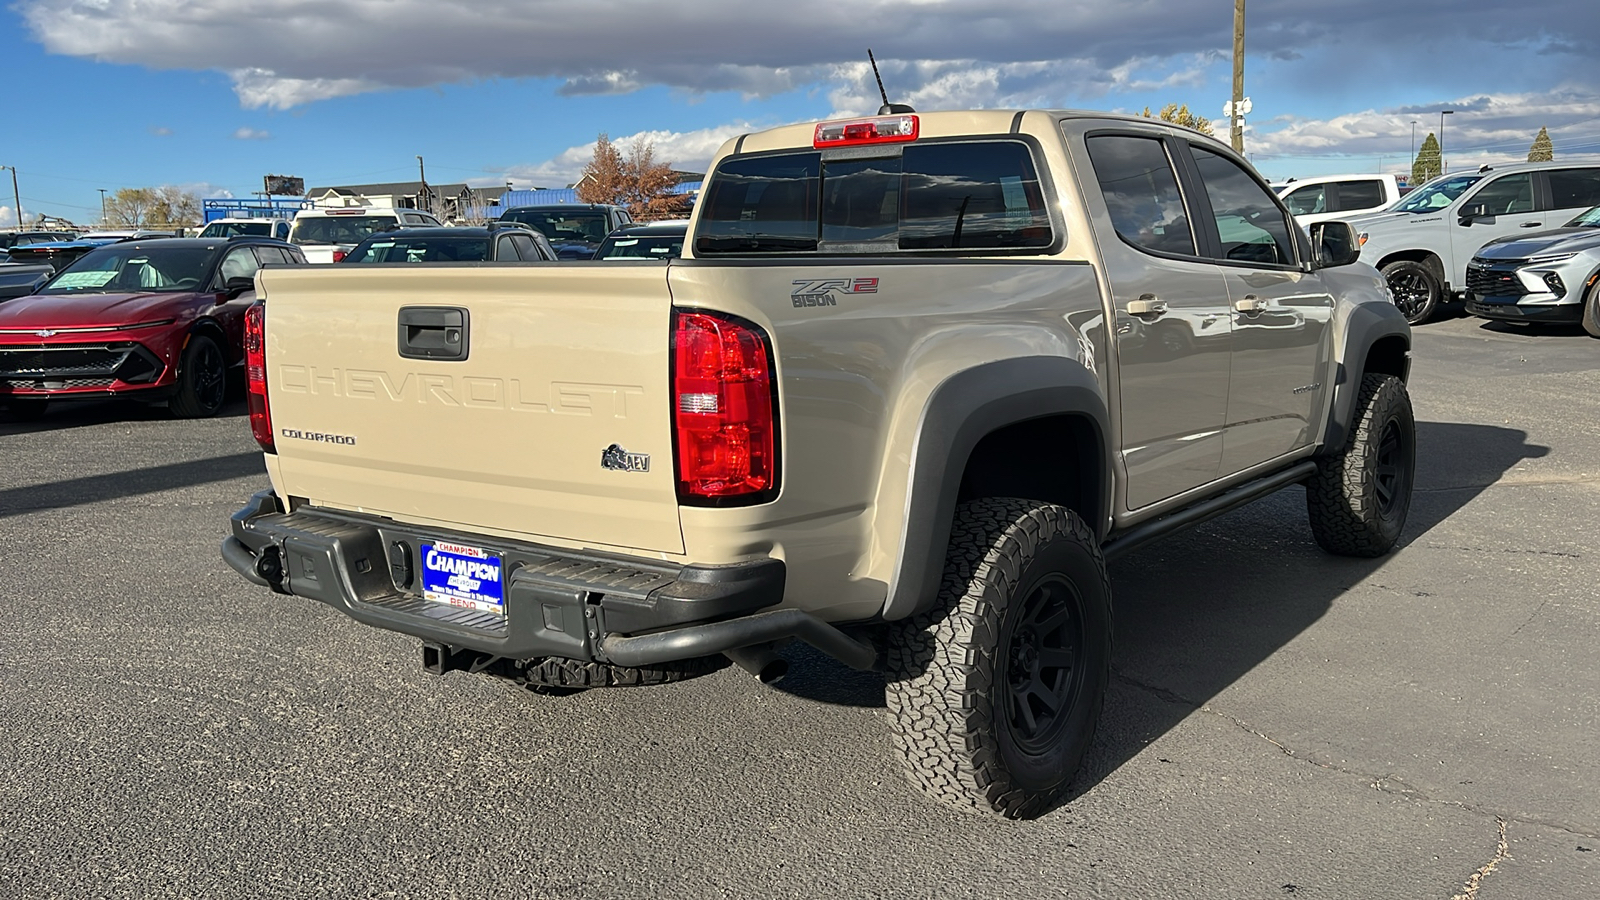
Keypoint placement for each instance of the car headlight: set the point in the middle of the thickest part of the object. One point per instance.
(1550, 258)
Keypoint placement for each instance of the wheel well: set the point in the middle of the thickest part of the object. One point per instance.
(214, 331)
(1427, 258)
(1056, 459)
(1387, 356)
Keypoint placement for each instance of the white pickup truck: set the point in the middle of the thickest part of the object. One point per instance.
(326, 235)
(1424, 243)
(1328, 197)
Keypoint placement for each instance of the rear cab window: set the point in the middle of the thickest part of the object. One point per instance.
(963, 196)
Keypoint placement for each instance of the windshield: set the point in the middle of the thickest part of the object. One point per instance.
(128, 268)
(585, 225)
(422, 249)
(661, 246)
(1436, 194)
(229, 229)
(338, 229)
(1589, 218)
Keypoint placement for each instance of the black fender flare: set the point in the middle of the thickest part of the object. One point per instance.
(1366, 325)
(959, 413)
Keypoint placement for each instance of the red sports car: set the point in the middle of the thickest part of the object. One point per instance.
(156, 320)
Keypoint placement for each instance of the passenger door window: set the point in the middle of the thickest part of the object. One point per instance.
(527, 249)
(239, 263)
(1364, 194)
(1141, 192)
(506, 250)
(1574, 188)
(1506, 196)
(1306, 201)
(1250, 226)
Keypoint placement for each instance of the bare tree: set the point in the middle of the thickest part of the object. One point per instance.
(128, 207)
(167, 206)
(634, 180)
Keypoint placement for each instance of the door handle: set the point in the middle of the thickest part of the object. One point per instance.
(1250, 305)
(1529, 225)
(434, 332)
(1147, 305)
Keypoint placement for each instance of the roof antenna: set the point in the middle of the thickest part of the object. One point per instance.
(887, 108)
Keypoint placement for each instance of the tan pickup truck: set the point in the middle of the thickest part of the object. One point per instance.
(914, 379)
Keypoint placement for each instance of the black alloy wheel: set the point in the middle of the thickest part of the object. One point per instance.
(1391, 475)
(1040, 668)
(1416, 291)
(202, 380)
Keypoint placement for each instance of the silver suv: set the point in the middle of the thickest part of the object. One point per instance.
(1423, 243)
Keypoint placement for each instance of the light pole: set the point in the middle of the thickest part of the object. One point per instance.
(1413, 141)
(102, 206)
(16, 195)
(1442, 114)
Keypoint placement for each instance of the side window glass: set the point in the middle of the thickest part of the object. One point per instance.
(506, 249)
(971, 195)
(239, 263)
(526, 248)
(1574, 188)
(1249, 223)
(281, 231)
(1141, 192)
(1363, 194)
(1313, 198)
(1507, 195)
(269, 256)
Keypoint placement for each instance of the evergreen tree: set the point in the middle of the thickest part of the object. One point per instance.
(1542, 150)
(1426, 165)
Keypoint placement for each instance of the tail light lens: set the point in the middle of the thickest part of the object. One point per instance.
(255, 375)
(339, 255)
(723, 410)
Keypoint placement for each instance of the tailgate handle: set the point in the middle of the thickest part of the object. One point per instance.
(434, 332)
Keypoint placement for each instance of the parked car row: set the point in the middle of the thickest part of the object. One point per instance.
(151, 317)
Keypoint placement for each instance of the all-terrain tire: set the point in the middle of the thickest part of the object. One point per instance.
(554, 675)
(1358, 499)
(1417, 291)
(202, 380)
(1591, 311)
(1023, 621)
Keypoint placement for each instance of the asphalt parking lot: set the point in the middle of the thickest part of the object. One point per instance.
(1282, 723)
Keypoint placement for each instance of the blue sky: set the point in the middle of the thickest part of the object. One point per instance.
(212, 94)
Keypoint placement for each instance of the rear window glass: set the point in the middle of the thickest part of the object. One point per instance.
(338, 229)
(416, 250)
(975, 195)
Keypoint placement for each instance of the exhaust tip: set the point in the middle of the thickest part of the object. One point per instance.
(759, 660)
(773, 672)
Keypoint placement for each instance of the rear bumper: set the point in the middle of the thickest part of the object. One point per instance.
(1524, 312)
(558, 603)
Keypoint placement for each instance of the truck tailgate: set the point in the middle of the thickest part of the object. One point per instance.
(563, 362)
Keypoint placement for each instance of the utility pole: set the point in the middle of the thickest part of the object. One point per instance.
(102, 206)
(1236, 131)
(422, 175)
(1413, 141)
(1442, 114)
(16, 195)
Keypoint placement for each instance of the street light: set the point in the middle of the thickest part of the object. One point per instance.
(16, 195)
(1442, 114)
(102, 205)
(1413, 141)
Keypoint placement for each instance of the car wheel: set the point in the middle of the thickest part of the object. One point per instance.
(1591, 311)
(1416, 291)
(26, 410)
(996, 692)
(1358, 499)
(202, 380)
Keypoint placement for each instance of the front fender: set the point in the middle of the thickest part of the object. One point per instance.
(1367, 317)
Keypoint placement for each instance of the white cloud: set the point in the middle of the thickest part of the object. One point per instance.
(246, 133)
(689, 151)
(300, 52)
(160, 130)
(8, 217)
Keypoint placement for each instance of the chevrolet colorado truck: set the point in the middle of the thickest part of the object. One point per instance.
(914, 379)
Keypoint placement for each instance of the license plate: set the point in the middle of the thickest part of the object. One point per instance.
(463, 576)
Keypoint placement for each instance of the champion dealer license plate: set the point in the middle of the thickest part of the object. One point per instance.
(463, 576)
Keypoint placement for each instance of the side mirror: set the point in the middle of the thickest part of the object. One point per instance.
(1473, 211)
(238, 284)
(1335, 244)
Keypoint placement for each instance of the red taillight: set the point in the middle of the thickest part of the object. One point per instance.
(722, 409)
(338, 256)
(255, 375)
(876, 130)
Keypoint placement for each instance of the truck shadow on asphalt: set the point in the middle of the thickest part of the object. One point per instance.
(132, 483)
(1197, 611)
